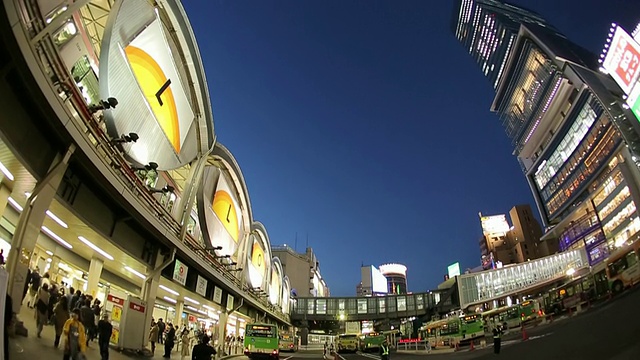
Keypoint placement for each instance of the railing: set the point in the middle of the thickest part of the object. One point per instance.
(60, 81)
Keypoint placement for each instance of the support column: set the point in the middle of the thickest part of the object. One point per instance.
(179, 310)
(238, 344)
(222, 334)
(28, 228)
(95, 271)
(149, 291)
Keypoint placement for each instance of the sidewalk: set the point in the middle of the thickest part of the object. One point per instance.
(32, 347)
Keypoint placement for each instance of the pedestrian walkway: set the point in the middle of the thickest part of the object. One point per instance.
(34, 348)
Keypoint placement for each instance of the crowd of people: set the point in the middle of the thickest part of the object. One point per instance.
(170, 336)
(72, 314)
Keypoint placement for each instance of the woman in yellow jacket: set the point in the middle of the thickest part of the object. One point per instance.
(75, 341)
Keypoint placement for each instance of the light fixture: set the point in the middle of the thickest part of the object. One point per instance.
(222, 256)
(151, 166)
(236, 269)
(15, 204)
(55, 237)
(169, 290)
(126, 138)
(217, 248)
(104, 105)
(135, 272)
(97, 249)
(191, 308)
(6, 172)
(191, 300)
(57, 219)
(165, 189)
(170, 299)
(49, 252)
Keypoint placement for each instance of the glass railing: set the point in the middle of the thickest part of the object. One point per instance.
(90, 124)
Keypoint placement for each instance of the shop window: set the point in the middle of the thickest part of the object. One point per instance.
(321, 306)
(86, 80)
(382, 308)
(310, 306)
(191, 225)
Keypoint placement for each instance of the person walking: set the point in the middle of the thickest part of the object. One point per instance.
(497, 339)
(203, 351)
(384, 350)
(104, 335)
(34, 285)
(153, 336)
(75, 342)
(88, 320)
(60, 317)
(186, 344)
(169, 341)
(161, 328)
(42, 308)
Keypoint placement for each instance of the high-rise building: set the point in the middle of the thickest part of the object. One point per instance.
(372, 282)
(574, 139)
(487, 30)
(396, 275)
(303, 271)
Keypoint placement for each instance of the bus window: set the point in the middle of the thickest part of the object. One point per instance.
(632, 259)
(618, 266)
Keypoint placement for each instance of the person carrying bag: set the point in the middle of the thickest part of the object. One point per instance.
(75, 343)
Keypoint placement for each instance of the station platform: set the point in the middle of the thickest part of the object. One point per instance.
(32, 347)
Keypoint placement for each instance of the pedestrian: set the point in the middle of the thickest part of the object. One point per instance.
(60, 317)
(203, 351)
(104, 336)
(186, 343)
(153, 336)
(34, 285)
(88, 320)
(1, 256)
(169, 341)
(42, 308)
(384, 350)
(8, 318)
(74, 338)
(26, 286)
(161, 327)
(497, 335)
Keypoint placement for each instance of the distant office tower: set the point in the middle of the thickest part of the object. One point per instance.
(396, 275)
(303, 271)
(487, 30)
(504, 244)
(577, 145)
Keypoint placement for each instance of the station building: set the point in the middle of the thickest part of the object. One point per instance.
(113, 180)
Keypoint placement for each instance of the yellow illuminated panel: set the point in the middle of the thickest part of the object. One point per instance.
(157, 90)
(225, 210)
(257, 256)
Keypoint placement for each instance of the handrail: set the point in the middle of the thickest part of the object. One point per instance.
(45, 50)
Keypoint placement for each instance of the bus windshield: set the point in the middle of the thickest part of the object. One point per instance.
(260, 331)
(350, 336)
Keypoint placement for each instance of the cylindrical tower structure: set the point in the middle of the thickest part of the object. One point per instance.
(396, 275)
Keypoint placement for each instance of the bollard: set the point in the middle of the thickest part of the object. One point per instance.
(471, 348)
(525, 337)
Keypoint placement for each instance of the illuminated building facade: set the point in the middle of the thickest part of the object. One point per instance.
(396, 275)
(487, 30)
(576, 142)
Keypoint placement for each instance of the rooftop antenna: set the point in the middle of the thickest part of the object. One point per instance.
(295, 246)
(307, 240)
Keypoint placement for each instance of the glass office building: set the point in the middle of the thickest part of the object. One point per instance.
(487, 29)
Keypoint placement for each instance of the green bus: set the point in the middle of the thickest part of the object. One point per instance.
(371, 341)
(261, 341)
(447, 331)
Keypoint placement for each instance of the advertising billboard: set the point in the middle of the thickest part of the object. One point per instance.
(257, 264)
(379, 282)
(453, 270)
(496, 224)
(623, 59)
(157, 80)
(219, 211)
(275, 286)
(286, 292)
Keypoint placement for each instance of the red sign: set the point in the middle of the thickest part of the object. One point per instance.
(192, 318)
(623, 60)
(404, 341)
(115, 300)
(136, 307)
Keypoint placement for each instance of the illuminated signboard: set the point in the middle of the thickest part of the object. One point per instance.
(453, 270)
(220, 215)
(256, 261)
(153, 69)
(379, 282)
(286, 291)
(275, 286)
(623, 59)
(494, 224)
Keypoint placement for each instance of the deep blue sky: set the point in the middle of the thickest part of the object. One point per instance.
(366, 125)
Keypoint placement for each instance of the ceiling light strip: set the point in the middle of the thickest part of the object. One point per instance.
(55, 237)
(97, 249)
